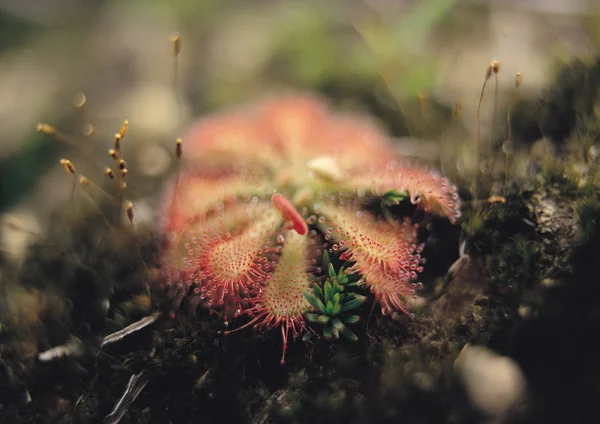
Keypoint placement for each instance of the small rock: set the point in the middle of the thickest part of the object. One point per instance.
(494, 383)
(525, 311)
(549, 283)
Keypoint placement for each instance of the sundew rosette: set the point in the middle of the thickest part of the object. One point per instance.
(267, 188)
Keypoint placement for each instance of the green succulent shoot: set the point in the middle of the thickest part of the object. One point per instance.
(333, 304)
(394, 197)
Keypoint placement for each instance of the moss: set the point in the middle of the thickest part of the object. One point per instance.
(588, 218)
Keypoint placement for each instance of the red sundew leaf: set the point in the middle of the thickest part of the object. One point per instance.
(232, 266)
(426, 188)
(281, 302)
(291, 214)
(283, 296)
(353, 141)
(200, 193)
(182, 249)
(189, 242)
(390, 289)
(371, 241)
(387, 257)
(235, 139)
(296, 120)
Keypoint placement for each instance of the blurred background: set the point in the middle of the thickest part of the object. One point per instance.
(86, 65)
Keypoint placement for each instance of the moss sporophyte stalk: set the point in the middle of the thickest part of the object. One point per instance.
(266, 190)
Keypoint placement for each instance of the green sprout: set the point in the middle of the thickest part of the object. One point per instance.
(333, 304)
(394, 197)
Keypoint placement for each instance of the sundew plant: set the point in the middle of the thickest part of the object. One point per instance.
(267, 188)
